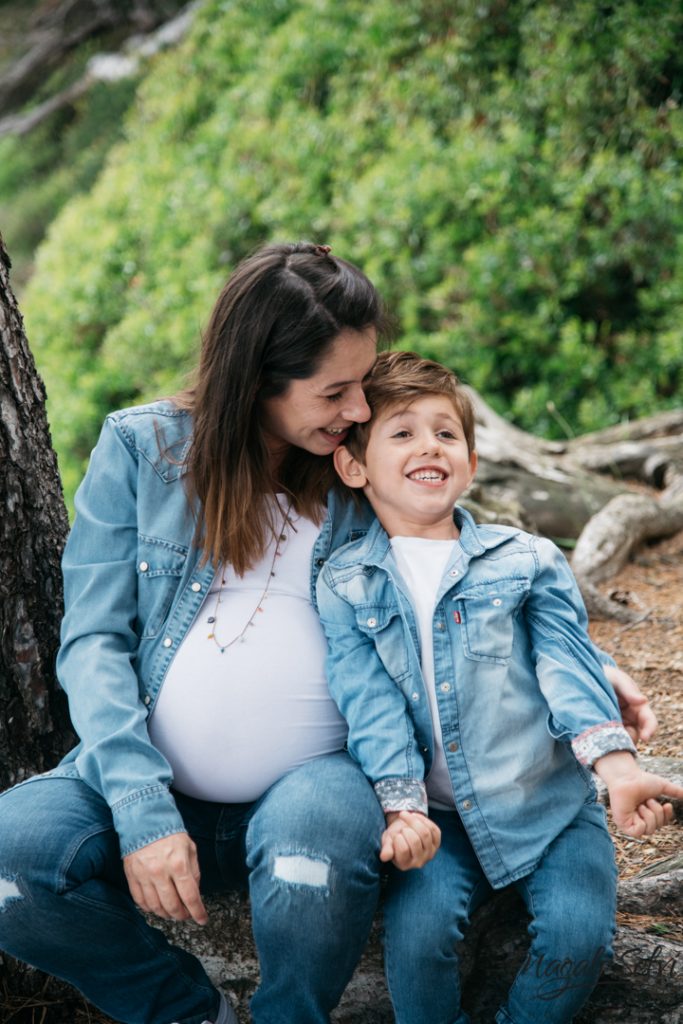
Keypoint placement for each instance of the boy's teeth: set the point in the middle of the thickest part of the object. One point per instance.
(427, 476)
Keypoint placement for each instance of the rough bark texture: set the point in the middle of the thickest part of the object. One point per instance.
(34, 729)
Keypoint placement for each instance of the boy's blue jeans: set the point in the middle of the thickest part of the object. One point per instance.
(570, 895)
(307, 850)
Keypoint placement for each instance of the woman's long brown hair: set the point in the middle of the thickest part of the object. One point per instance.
(274, 321)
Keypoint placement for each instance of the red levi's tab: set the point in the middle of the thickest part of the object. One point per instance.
(457, 617)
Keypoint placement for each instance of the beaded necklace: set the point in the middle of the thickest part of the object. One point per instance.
(241, 637)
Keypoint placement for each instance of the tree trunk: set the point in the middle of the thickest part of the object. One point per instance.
(34, 724)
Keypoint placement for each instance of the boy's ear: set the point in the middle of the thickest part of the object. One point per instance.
(351, 471)
(474, 461)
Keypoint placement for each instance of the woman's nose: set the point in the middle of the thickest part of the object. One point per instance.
(357, 409)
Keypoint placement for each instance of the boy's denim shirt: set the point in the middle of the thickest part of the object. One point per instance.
(523, 701)
(133, 585)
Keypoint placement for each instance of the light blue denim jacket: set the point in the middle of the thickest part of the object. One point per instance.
(133, 586)
(523, 702)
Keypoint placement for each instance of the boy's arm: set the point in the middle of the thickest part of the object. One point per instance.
(583, 706)
(381, 731)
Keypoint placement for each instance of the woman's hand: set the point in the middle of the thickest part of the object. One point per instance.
(409, 840)
(163, 878)
(637, 715)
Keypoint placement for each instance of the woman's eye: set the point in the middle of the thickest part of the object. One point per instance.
(337, 397)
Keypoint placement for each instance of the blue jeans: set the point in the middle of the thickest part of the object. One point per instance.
(570, 895)
(307, 850)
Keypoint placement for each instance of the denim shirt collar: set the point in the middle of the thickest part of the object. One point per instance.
(474, 541)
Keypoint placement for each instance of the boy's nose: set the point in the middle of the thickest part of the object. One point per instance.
(430, 446)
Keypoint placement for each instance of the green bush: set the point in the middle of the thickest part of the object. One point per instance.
(508, 173)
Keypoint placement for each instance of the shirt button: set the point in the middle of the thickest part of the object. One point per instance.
(497, 601)
(454, 572)
(319, 562)
(445, 687)
(415, 696)
(168, 642)
(144, 566)
(148, 700)
(196, 587)
(452, 747)
(466, 805)
(440, 625)
(372, 622)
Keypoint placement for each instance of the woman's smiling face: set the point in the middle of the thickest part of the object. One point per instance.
(316, 413)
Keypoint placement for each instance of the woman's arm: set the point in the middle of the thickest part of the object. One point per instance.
(638, 717)
(96, 662)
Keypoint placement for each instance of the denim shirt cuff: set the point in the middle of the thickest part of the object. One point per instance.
(399, 794)
(145, 816)
(601, 739)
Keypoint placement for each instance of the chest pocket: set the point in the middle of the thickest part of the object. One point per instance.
(487, 615)
(385, 628)
(159, 567)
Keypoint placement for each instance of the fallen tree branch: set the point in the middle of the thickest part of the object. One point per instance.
(66, 26)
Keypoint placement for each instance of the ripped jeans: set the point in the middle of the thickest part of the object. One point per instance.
(307, 850)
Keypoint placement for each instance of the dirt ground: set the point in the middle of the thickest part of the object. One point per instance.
(651, 650)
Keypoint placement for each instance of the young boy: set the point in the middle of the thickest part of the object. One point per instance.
(476, 705)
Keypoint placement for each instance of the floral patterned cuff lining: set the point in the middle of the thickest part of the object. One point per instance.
(402, 795)
(601, 739)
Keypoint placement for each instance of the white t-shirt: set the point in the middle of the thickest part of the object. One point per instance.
(422, 564)
(232, 723)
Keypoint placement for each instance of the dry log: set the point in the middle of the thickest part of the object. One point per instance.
(530, 481)
(610, 536)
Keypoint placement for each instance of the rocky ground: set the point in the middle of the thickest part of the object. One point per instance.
(651, 650)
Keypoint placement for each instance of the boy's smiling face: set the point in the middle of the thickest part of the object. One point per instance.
(416, 466)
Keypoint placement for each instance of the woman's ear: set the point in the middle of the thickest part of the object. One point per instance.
(351, 471)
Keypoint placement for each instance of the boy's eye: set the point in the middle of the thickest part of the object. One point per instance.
(448, 434)
(401, 433)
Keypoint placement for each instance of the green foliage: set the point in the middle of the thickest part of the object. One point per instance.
(61, 158)
(509, 173)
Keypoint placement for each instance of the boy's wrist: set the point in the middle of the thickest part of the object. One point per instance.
(616, 766)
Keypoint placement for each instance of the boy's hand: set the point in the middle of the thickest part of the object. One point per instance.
(409, 840)
(633, 794)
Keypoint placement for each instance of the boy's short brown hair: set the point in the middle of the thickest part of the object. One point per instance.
(399, 378)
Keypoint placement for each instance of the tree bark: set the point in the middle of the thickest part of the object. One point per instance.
(34, 724)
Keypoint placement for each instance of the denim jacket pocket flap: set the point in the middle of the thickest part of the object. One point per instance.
(487, 613)
(385, 627)
(160, 565)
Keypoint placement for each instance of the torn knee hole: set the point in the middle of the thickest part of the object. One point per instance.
(9, 890)
(300, 869)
